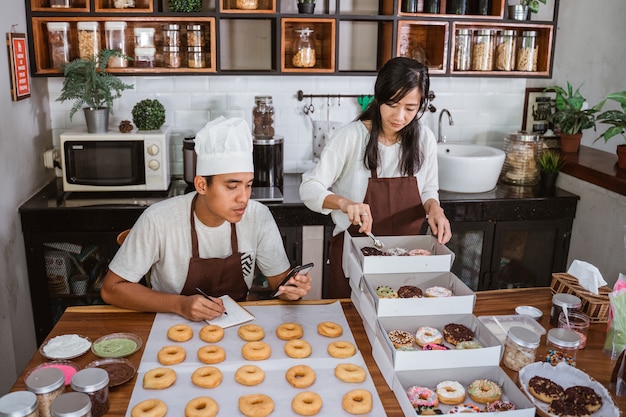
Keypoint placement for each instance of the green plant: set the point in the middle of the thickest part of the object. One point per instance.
(533, 5)
(615, 118)
(148, 114)
(89, 84)
(571, 115)
(550, 161)
(185, 6)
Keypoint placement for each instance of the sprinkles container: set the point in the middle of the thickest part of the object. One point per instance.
(47, 384)
(19, 404)
(562, 346)
(95, 383)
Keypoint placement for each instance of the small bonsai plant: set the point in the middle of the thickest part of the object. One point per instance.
(185, 6)
(572, 115)
(550, 162)
(148, 114)
(616, 119)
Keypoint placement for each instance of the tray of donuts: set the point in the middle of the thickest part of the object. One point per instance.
(487, 390)
(565, 390)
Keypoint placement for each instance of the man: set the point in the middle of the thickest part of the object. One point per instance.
(209, 240)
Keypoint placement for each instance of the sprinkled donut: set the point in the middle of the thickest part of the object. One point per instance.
(435, 346)
(464, 408)
(410, 291)
(437, 291)
(400, 338)
(427, 334)
(544, 389)
(584, 396)
(455, 333)
(468, 344)
(422, 397)
(484, 391)
(384, 291)
(497, 406)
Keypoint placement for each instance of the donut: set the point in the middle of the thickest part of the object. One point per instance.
(329, 329)
(211, 354)
(384, 291)
(349, 372)
(450, 392)
(455, 333)
(371, 251)
(256, 351)
(256, 405)
(171, 355)
(428, 411)
(159, 378)
(306, 403)
(427, 334)
(400, 338)
(249, 375)
(149, 408)
(422, 397)
(435, 346)
(206, 377)
(544, 389)
(289, 331)
(298, 348)
(397, 252)
(180, 333)
(407, 349)
(341, 349)
(437, 291)
(251, 332)
(300, 376)
(584, 396)
(419, 252)
(201, 407)
(358, 401)
(497, 406)
(464, 408)
(409, 291)
(562, 407)
(211, 333)
(484, 391)
(468, 344)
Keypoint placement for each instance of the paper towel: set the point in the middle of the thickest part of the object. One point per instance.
(589, 277)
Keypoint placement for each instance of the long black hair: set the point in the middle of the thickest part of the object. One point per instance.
(395, 79)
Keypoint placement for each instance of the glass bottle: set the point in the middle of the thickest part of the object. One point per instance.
(171, 56)
(528, 51)
(61, 3)
(482, 50)
(195, 36)
(47, 384)
(95, 383)
(520, 164)
(263, 117)
(562, 346)
(409, 6)
(19, 404)
(171, 35)
(520, 348)
(303, 49)
(116, 39)
(71, 404)
(88, 39)
(59, 43)
(463, 50)
(247, 4)
(505, 50)
(196, 57)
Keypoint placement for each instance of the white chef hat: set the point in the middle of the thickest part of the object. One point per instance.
(224, 146)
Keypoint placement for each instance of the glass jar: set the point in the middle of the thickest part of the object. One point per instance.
(95, 383)
(528, 51)
(171, 56)
(195, 36)
(578, 322)
(71, 404)
(122, 4)
(303, 49)
(88, 39)
(19, 404)
(457, 7)
(171, 35)
(463, 50)
(505, 50)
(432, 6)
(59, 43)
(196, 57)
(562, 346)
(482, 50)
(520, 164)
(144, 37)
(144, 57)
(520, 348)
(116, 39)
(61, 3)
(263, 117)
(47, 384)
(409, 6)
(247, 4)
(561, 302)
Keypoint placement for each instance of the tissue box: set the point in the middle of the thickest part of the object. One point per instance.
(596, 306)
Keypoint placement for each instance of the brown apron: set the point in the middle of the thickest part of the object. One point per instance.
(397, 210)
(215, 276)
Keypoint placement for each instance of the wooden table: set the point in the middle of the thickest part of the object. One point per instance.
(96, 321)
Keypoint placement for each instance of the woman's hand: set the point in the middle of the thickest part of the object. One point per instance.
(358, 213)
(438, 222)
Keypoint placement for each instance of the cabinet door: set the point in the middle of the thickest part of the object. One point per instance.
(472, 244)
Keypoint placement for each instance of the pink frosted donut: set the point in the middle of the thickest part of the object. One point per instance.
(422, 397)
(437, 292)
(419, 252)
(427, 334)
(464, 408)
(435, 346)
(499, 405)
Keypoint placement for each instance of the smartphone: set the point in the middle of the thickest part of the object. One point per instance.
(301, 269)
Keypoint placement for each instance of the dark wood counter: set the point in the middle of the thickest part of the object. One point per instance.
(596, 167)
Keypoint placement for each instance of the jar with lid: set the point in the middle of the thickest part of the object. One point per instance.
(563, 302)
(303, 49)
(144, 37)
(263, 117)
(71, 404)
(171, 35)
(520, 164)
(520, 348)
(61, 3)
(115, 37)
(247, 4)
(47, 384)
(59, 43)
(482, 50)
(505, 50)
(463, 50)
(171, 56)
(195, 36)
(562, 346)
(528, 51)
(196, 57)
(576, 321)
(19, 404)
(95, 383)
(144, 57)
(122, 4)
(88, 39)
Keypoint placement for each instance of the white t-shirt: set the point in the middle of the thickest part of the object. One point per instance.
(160, 242)
(341, 170)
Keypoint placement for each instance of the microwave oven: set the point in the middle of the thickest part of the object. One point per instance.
(114, 161)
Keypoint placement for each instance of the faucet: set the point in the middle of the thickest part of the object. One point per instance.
(440, 138)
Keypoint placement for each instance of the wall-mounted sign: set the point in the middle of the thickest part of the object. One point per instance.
(18, 62)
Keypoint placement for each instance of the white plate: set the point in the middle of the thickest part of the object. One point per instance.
(67, 346)
(109, 352)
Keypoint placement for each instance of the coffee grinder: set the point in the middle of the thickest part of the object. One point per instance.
(267, 153)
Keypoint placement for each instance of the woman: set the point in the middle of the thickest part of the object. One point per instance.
(379, 173)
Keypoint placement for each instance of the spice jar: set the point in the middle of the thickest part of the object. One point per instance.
(520, 348)
(562, 346)
(528, 51)
(247, 4)
(576, 321)
(482, 50)
(122, 4)
(116, 39)
(144, 57)
(59, 43)
(195, 36)
(171, 35)
(171, 56)
(72, 404)
(303, 49)
(561, 302)
(47, 384)
(19, 404)
(505, 50)
(263, 117)
(195, 57)
(95, 383)
(61, 3)
(88, 39)
(463, 50)
(144, 37)
(520, 164)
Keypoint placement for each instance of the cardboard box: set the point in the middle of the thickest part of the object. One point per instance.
(596, 306)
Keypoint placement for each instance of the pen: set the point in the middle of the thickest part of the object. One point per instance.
(208, 298)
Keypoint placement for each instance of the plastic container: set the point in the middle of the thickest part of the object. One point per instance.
(500, 325)
(520, 164)
(561, 302)
(482, 50)
(195, 36)
(19, 404)
(520, 348)
(562, 346)
(95, 383)
(88, 39)
(505, 50)
(144, 37)
(171, 56)
(59, 43)
(528, 51)
(303, 49)
(71, 404)
(577, 322)
(463, 50)
(116, 39)
(47, 384)
(144, 57)
(171, 35)
(247, 4)
(263, 117)
(196, 57)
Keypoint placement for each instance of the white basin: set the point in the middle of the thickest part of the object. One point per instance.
(468, 168)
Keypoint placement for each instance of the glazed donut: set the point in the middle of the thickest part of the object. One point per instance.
(341, 349)
(180, 333)
(497, 406)
(450, 392)
(409, 291)
(211, 354)
(201, 407)
(251, 332)
(159, 378)
(149, 408)
(464, 408)
(400, 338)
(300, 376)
(256, 351)
(171, 355)
(256, 405)
(289, 331)
(584, 396)
(358, 401)
(437, 292)
(349, 372)
(306, 403)
(455, 333)
(419, 252)
(249, 375)
(484, 391)
(421, 397)
(544, 389)
(298, 348)
(329, 329)
(427, 334)
(206, 377)
(211, 333)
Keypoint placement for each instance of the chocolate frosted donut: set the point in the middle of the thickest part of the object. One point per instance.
(584, 396)
(409, 291)
(371, 251)
(545, 389)
(455, 333)
(564, 408)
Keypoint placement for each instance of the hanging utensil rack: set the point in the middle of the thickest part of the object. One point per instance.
(301, 96)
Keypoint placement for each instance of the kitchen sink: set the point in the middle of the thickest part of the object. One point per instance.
(468, 168)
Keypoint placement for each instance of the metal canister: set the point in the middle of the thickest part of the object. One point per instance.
(520, 165)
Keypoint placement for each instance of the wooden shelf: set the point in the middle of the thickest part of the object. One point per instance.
(108, 6)
(424, 40)
(323, 37)
(233, 6)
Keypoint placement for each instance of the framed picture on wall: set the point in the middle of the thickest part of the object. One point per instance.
(538, 105)
(18, 64)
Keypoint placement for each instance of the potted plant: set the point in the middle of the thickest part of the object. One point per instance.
(93, 88)
(571, 116)
(185, 6)
(521, 11)
(306, 6)
(148, 114)
(616, 119)
(550, 163)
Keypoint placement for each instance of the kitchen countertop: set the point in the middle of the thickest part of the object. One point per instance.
(596, 167)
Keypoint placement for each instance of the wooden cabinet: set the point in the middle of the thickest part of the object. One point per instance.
(350, 37)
